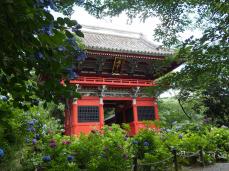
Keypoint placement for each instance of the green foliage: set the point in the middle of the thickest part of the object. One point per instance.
(189, 139)
(11, 134)
(149, 149)
(171, 112)
(97, 151)
(205, 57)
(44, 147)
(37, 51)
(15, 131)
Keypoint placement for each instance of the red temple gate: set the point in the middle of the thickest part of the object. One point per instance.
(112, 81)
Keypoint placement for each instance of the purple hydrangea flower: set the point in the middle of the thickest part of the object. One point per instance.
(146, 144)
(34, 141)
(52, 145)
(1, 153)
(66, 142)
(46, 158)
(180, 136)
(52, 141)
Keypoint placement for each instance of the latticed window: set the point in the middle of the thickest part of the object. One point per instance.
(129, 115)
(145, 113)
(88, 114)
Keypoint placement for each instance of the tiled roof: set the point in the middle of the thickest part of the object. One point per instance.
(120, 41)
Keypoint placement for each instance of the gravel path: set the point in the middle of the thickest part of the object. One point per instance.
(215, 167)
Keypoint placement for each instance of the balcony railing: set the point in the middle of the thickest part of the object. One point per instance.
(112, 81)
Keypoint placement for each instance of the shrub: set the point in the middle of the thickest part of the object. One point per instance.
(149, 148)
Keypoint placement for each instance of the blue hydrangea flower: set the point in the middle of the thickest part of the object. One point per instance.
(31, 129)
(46, 158)
(37, 136)
(48, 30)
(168, 130)
(146, 144)
(72, 41)
(39, 55)
(4, 98)
(61, 48)
(135, 142)
(180, 136)
(34, 141)
(1, 153)
(31, 123)
(70, 158)
(71, 74)
(81, 57)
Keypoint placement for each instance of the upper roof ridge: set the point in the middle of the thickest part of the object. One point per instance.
(115, 40)
(111, 31)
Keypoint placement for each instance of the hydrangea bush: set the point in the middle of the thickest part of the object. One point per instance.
(42, 145)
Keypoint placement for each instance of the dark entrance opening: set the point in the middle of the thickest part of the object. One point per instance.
(117, 111)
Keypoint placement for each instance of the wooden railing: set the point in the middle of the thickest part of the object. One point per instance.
(112, 81)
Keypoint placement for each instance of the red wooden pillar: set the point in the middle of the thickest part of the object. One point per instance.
(101, 113)
(74, 116)
(135, 113)
(156, 111)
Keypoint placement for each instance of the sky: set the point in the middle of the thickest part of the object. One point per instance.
(121, 23)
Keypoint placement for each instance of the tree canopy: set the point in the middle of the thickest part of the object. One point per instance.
(37, 51)
(206, 58)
